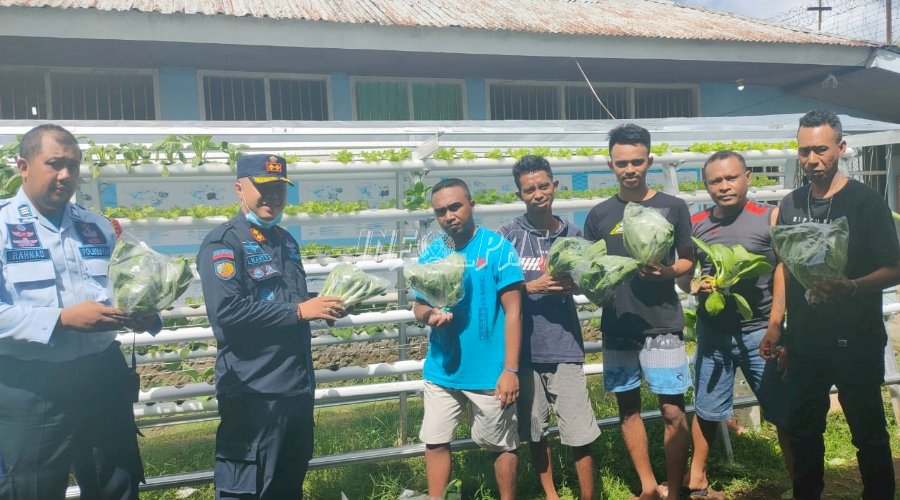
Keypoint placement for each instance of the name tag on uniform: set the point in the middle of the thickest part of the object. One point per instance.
(16, 256)
(94, 251)
(256, 254)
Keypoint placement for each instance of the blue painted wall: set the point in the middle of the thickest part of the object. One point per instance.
(720, 99)
(179, 94)
(341, 97)
(476, 98)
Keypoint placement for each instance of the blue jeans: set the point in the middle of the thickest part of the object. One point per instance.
(858, 373)
(718, 357)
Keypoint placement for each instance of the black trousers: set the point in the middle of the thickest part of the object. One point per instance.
(858, 374)
(76, 415)
(263, 446)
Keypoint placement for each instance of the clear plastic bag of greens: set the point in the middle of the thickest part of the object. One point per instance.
(145, 281)
(647, 235)
(600, 278)
(440, 283)
(566, 252)
(813, 251)
(352, 285)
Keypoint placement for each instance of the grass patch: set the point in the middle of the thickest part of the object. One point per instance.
(757, 473)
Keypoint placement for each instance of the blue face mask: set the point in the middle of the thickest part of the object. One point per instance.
(254, 219)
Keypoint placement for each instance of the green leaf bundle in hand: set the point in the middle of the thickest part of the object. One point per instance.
(731, 265)
(601, 277)
(440, 283)
(647, 235)
(566, 252)
(145, 281)
(352, 285)
(813, 251)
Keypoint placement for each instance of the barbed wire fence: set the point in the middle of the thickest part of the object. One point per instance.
(858, 19)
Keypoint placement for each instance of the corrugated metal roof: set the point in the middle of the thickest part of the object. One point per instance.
(625, 18)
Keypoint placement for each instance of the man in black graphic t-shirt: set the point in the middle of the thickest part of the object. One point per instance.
(643, 324)
(840, 341)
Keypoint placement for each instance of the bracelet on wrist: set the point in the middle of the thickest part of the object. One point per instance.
(299, 313)
(512, 370)
(855, 287)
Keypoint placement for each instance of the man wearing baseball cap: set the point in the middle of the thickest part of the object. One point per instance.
(259, 309)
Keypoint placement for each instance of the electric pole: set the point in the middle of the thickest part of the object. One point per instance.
(821, 9)
(888, 36)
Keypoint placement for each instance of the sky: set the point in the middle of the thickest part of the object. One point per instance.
(754, 8)
(849, 18)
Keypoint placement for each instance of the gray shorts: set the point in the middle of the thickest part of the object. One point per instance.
(562, 387)
(493, 427)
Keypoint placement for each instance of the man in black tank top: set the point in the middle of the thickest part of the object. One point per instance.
(840, 341)
(726, 341)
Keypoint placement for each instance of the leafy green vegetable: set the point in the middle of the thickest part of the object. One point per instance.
(10, 181)
(600, 278)
(352, 285)
(647, 235)
(145, 281)
(731, 265)
(813, 251)
(566, 252)
(439, 283)
(690, 324)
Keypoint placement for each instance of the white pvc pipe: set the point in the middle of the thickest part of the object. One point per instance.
(395, 214)
(331, 167)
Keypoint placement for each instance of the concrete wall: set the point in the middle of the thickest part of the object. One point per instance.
(718, 99)
(180, 98)
(179, 94)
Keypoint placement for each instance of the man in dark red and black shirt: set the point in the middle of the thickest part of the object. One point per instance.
(726, 341)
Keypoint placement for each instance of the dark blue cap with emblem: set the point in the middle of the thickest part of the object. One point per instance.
(263, 168)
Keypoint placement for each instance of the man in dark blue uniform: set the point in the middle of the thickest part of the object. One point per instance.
(256, 298)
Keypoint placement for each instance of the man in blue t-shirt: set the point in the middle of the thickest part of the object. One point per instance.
(552, 372)
(473, 349)
(643, 325)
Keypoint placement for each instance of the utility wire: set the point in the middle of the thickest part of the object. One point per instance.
(591, 86)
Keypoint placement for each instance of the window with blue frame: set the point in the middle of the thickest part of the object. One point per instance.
(78, 94)
(408, 100)
(251, 97)
(571, 101)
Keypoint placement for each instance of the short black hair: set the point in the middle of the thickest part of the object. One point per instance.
(630, 134)
(33, 140)
(818, 118)
(528, 164)
(722, 155)
(452, 182)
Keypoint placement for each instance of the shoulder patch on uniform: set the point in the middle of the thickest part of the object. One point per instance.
(25, 211)
(257, 234)
(224, 269)
(225, 253)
